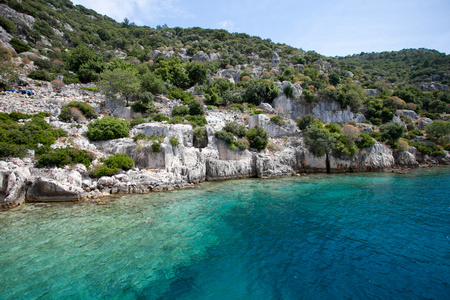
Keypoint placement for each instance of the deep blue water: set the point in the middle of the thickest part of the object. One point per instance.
(346, 236)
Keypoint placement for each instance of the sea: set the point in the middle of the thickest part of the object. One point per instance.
(321, 236)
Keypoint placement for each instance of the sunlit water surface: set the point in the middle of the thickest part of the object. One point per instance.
(358, 236)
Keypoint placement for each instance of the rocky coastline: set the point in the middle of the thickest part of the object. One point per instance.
(188, 163)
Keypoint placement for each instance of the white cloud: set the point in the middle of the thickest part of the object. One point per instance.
(227, 25)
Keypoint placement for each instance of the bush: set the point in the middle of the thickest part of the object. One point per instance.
(228, 137)
(103, 171)
(177, 120)
(87, 111)
(137, 121)
(199, 134)
(196, 108)
(174, 141)
(41, 75)
(241, 145)
(145, 104)
(235, 128)
(107, 128)
(61, 157)
(278, 120)
(236, 106)
(180, 110)
(197, 120)
(19, 46)
(258, 138)
(391, 132)
(119, 161)
(364, 141)
(305, 121)
(333, 128)
(159, 118)
(439, 130)
(289, 91)
(156, 147)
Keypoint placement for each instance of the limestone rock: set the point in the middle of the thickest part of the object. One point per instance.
(200, 56)
(276, 59)
(408, 113)
(45, 189)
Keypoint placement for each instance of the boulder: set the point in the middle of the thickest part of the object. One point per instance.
(276, 59)
(200, 56)
(46, 189)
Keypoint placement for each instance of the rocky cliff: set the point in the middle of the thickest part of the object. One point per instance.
(186, 164)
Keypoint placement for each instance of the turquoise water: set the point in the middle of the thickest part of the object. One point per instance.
(356, 236)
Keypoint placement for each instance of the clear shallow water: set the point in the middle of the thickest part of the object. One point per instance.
(352, 236)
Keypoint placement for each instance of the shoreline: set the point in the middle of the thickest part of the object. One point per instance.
(104, 199)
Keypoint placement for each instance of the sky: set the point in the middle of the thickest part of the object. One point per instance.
(329, 27)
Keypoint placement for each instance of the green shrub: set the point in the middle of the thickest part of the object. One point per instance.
(90, 88)
(145, 104)
(235, 128)
(12, 150)
(61, 157)
(196, 108)
(278, 120)
(174, 141)
(107, 128)
(342, 146)
(177, 93)
(228, 137)
(289, 91)
(258, 138)
(8, 25)
(137, 121)
(41, 75)
(199, 134)
(159, 118)
(377, 136)
(87, 111)
(236, 106)
(211, 107)
(104, 171)
(156, 147)
(19, 46)
(391, 132)
(197, 120)
(364, 141)
(439, 130)
(177, 120)
(333, 128)
(305, 121)
(119, 161)
(180, 110)
(241, 145)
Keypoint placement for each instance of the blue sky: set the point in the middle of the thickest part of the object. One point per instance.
(339, 27)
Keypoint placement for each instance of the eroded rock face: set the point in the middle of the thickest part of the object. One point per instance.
(46, 189)
(327, 112)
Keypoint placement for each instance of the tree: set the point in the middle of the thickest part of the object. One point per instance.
(305, 121)
(439, 130)
(320, 142)
(119, 84)
(391, 132)
(351, 94)
(258, 90)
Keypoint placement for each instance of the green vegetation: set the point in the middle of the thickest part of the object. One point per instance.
(235, 128)
(107, 128)
(61, 157)
(77, 110)
(258, 138)
(174, 142)
(320, 142)
(391, 132)
(305, 121)
(278, 120)
(112, 164)
(35, 134)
